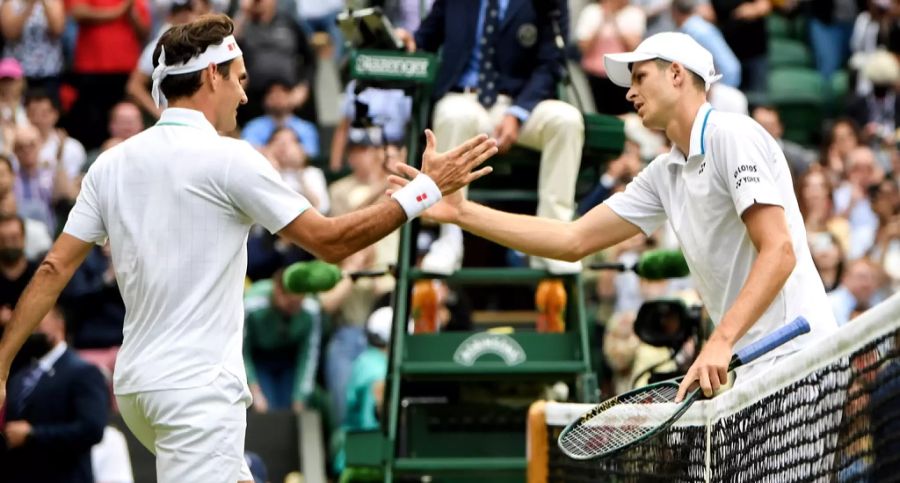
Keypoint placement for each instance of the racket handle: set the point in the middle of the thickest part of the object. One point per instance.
(753, 351)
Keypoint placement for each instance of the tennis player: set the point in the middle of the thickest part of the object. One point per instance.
(176, 203)
(725, 188)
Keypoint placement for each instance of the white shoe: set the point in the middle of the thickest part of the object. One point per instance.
(556, 267)
(446, 253)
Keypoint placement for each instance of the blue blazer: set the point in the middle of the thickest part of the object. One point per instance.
(528, 62)
(68, 410)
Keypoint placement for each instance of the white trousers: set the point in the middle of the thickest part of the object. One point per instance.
(197, 434)
(554, 128)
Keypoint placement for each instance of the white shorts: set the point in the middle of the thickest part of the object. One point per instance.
(197, 434)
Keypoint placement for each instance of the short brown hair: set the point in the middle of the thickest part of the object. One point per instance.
(4, 159)
(183, 42)
(695, 78)
(16, 218)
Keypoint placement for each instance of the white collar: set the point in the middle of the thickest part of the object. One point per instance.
(180, 116)
(49, 359)
(698, 137)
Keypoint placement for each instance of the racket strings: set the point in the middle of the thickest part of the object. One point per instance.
(655, 395)
(632, 417)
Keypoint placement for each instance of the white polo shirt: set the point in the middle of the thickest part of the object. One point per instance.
(177, 202)
(733, 163)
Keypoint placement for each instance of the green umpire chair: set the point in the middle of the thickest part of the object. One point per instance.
(455, 403)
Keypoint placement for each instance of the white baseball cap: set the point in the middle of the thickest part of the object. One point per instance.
(668, 46)
(380, 322)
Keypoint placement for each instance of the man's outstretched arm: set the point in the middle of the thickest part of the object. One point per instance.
(542, 237)
(334, 239)
(39, 297)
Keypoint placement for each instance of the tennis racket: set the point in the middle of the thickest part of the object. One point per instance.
(627, 420)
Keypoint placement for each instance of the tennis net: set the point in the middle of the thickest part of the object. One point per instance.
(829, 413)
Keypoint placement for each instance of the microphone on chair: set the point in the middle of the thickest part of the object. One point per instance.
(318, 276)
(653, 265)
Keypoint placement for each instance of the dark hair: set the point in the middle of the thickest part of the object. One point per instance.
(684, 6)
(376, 341)
(875, 189)
(283, 128)
(183, 42)
(278, 81)
(40, 95)
(829, 134)
(841, 265)
(801, 182)
(16, 218)
(765, 106)
(848, 121)
(179, 6)
(8, 162)
(695, 78)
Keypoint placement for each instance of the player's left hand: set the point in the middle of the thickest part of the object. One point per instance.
(453, 169)
(506, 133)
(710, 370)
(445, 211)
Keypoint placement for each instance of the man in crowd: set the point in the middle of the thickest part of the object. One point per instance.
(57, 408)
(282, 335)
(499, 74)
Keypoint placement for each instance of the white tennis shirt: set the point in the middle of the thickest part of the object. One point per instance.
(176, 202)
(733, 163)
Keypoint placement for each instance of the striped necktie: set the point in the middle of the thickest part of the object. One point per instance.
(26, 385)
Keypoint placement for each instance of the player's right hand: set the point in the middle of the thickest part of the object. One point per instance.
(709, 370)
(453, 169)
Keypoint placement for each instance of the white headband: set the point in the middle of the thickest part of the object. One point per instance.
(214, 54)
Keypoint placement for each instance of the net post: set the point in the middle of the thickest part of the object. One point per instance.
(537, 448)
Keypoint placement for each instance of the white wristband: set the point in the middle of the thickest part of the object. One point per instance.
(419, 195)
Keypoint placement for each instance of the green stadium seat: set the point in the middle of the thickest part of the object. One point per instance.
(779, 26)
(796, 84)
(788, 53)
(840, 86)
(840, 83)
(801, 99)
